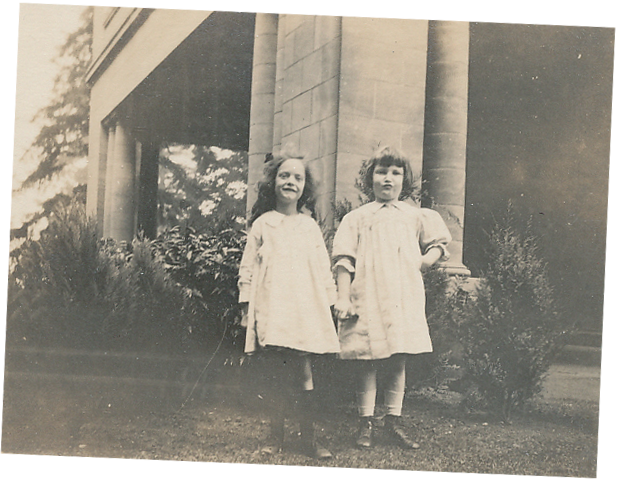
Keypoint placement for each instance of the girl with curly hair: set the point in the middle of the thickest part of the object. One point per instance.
(286, 289)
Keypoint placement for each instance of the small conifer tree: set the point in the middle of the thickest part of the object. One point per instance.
(510, 329)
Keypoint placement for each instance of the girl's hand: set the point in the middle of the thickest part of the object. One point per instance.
(343, 308)
(244, 310)
(430, 258)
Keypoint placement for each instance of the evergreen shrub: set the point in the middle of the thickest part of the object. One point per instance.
(70, 289)
(58, 285)
(510, 328)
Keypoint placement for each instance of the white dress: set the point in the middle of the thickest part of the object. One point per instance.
(381, 246)
(286, 278)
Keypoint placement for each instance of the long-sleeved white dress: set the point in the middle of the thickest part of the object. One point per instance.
(286, 278)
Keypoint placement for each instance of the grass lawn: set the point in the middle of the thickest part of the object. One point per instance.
(550, 438)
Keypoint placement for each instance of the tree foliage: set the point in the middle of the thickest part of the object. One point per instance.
(59, 200)
(203, 188)
(64, 134)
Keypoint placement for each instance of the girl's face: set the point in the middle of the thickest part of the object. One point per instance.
(289, 181)
(387, 182)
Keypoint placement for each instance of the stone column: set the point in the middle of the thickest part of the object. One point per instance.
(95, 203)
(109, 163)
(148, 189)
(382, 92)
(122, 211)
(279, 83)
(261, 133)
(445, 133)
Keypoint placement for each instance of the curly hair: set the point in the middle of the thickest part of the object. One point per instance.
(266, 197)
(386, 157)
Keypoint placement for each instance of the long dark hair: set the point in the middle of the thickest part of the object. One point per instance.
(266, 197)
(386, 157)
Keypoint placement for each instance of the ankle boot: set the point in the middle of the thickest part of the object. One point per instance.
(274, 442)
(310, 446)
(365, 433)
(396, 432)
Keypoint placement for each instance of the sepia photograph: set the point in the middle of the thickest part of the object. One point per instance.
(253, 238)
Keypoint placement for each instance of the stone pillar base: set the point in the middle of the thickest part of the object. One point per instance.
(456, 269)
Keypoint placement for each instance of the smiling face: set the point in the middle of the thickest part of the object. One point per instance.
(289, 182)
(388, 182)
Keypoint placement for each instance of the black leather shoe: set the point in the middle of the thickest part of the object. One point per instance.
(314, 450)
(365, 433)
(310, 446)
(396, 432)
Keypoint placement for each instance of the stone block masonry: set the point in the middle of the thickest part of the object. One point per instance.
(383, 75)
(343, 87)
(308, 95)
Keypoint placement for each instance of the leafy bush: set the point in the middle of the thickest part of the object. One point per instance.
(510, 328)
(149, 310)
(206, 268)
(64, 258)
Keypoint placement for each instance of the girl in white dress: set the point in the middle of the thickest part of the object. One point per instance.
(379, 252)
(286, 288)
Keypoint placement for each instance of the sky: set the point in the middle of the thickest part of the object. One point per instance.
(33, 32)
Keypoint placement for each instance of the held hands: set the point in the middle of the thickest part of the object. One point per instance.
(343, 309)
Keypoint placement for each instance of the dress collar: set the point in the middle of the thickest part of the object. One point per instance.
(375, 206)
(274, 218)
